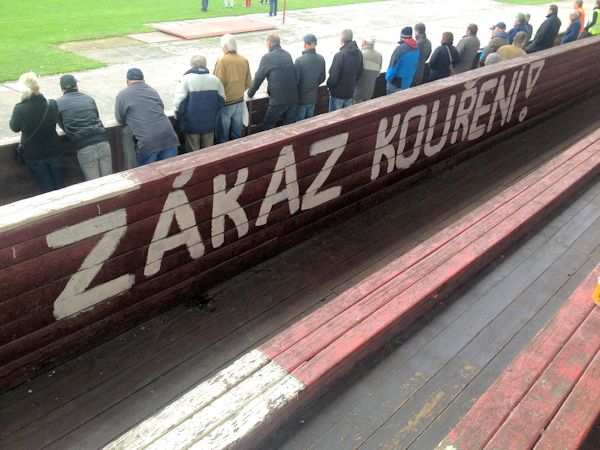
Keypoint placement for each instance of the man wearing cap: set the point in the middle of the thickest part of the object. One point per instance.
(424, 47)
(346, 68)
(499, 38)
(403, 64)
(140, 108)
(78, 117)
(199, 97)
(467, 49)
(546, 34)
(310, 73)
(518, 26)
(278, 68)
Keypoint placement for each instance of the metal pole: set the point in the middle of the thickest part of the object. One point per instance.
(284, 5)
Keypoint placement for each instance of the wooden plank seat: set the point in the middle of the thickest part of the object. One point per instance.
(549, 396)
(254, 395)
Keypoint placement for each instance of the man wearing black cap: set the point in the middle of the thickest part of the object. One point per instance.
(310, 73)
(140, 108)
(546, 34)
(78, 117)
(499, 38)
(403, 64)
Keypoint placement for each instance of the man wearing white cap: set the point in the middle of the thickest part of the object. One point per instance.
(372, 61)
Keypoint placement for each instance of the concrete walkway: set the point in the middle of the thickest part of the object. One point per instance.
(164, 62)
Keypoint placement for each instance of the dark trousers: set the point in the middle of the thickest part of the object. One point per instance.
(47, 172)
(274, 114)
(204, 5)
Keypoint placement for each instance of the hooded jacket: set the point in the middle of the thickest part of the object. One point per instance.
(345, 70)
(546, 34)
(310, 73)
(199, 97)
(403, 64)
(278, 68)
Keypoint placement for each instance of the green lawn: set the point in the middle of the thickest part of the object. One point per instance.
(29, 31)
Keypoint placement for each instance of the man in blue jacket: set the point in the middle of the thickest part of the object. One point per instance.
(403, 64)
(520, 25)
(572, 32)
(199, 97)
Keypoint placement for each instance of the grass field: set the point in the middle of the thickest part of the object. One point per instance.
(29, 31)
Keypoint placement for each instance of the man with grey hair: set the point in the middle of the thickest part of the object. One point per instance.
(199, 97)
(492, 58)
(234, 72)
(345, 70)
(372, 62)
(279, 70)
(310, 73)
(518, 26)
(467, 49)
(572, 32)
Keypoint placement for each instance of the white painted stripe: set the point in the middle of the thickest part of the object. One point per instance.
(35, 208)
(195, 400)
(219, 411)
(256, 413)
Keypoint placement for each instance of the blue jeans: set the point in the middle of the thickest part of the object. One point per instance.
(304, 111)
(47, 172)
(229, 122)
(286, 112)
(143, 158)
(339, 103)
(204, 5)
(272, 7)
(391, 88)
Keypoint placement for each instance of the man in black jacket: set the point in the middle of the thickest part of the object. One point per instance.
(546, 34)
(310, 73)
(78, 117)
(345, 70)
(278, 68)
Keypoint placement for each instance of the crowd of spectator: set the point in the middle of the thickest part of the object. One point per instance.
(210, 108)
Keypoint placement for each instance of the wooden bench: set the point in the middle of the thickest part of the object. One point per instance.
(254, 395)
(549, 396)
(83, 264)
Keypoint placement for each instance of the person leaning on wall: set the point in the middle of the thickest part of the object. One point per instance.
(36, 119)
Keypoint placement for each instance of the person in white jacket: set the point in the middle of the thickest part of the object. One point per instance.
(199, 97)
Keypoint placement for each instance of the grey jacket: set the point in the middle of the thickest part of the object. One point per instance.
(424, 46)
(372, 62)
(278, 68)
(310, 73)
(467, 48)
(141, 109)
(78, 117)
